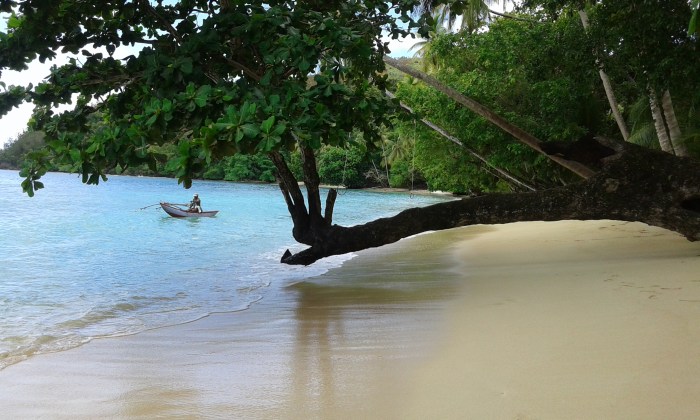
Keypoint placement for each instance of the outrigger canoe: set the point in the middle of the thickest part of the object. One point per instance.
(175, 211)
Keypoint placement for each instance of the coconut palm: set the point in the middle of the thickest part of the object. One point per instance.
(473, 13)
(423, 48)
(642, 127)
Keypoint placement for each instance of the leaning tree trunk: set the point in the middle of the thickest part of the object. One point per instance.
(635, 184)
(632, 184)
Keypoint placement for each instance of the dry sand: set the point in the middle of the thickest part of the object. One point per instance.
(564, 320)
(569, 320)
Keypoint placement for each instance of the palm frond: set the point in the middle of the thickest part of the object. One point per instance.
(644, 134)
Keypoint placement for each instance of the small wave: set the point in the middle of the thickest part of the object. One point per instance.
(97, 316)
(40, 345)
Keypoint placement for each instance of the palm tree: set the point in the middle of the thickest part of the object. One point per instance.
(423, 48)
(473, 13)
(642, 129)
(655, 126)
(607, 86)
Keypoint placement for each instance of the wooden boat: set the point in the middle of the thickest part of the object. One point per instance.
(175, 211)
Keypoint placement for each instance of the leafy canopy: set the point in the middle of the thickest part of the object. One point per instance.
(215, 77)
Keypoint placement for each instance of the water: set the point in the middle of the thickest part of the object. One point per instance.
(80, 261)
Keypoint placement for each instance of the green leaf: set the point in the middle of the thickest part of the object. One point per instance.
(279, 129)
(265, 81)
(186, 66)
(239, 136)
(266, 126)
(248, 110)
(221, 126)
(202, 96)
(14, 22)
(250, 130)
(269, 143)
(28, 187)
(152, 120)
(75, 156)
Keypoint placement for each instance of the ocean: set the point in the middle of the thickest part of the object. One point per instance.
(81, 262)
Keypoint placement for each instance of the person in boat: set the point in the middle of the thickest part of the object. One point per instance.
(196, 204)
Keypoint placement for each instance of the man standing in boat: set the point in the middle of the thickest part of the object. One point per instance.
(196, 204)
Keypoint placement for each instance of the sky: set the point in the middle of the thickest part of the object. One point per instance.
(15, 122)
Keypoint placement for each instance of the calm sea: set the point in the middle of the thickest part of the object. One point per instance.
(80, 262)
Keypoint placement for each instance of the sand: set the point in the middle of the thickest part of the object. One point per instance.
(562, 320)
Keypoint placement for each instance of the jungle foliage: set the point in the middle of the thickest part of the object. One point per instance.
(232, 89)
(541, 74)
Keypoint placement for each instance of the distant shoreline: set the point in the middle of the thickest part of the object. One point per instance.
(301, 183)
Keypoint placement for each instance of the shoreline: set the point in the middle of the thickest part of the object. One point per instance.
(301, 183)
(542, 320)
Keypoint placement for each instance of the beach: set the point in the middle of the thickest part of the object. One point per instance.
(539, 320)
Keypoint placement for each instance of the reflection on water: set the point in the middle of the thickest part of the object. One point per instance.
(362, 315)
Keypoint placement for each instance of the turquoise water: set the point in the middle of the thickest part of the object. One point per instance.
(80, 262)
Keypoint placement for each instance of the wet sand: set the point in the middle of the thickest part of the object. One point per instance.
(561, 320)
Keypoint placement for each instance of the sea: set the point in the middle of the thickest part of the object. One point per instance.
(79, 262)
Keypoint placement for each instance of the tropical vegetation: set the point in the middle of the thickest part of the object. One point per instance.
(301, 91)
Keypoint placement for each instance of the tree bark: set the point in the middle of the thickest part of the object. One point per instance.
(674, 129)
(635, 184)
(659, 124)
(308, 222)
(294, 199)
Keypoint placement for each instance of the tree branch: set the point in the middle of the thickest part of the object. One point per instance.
(250, 73)
(293, 197)
(513, 17)
(161, 19)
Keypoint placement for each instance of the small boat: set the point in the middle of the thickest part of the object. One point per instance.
(175, 211)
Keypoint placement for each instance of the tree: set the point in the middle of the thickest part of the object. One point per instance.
(641, 45)
(216, 78)
(633, 184)
(473, 14)
(609, 92)
(423, 49)
(649, 57)
(229, 77)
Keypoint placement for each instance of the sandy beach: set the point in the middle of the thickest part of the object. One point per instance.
(561, 320)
